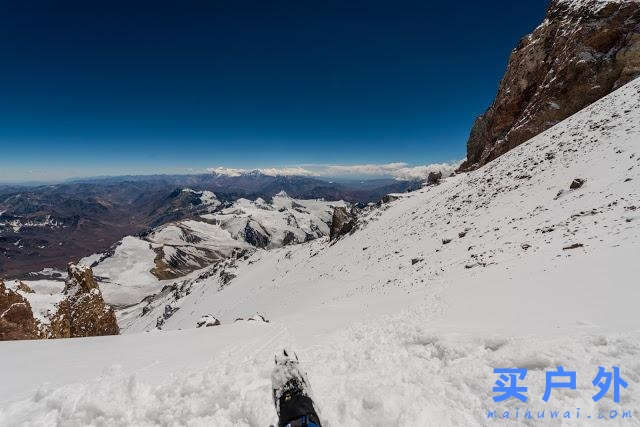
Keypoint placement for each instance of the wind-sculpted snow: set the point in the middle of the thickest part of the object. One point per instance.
(403, 321)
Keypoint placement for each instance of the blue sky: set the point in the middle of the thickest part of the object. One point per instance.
(135, 87)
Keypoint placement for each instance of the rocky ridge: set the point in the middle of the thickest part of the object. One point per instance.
(80, 310)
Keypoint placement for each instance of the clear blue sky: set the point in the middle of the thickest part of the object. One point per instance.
(90, 88)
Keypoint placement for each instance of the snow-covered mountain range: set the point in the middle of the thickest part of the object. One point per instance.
(529, 261)
(140, 266)
(50, 225)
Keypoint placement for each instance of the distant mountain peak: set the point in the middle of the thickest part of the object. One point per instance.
(282, 193)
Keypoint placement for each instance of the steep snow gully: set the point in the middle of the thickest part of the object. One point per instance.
(404, 321)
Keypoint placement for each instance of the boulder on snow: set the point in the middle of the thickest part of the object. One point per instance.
(206, 321)
(434, 178)
(16, 318)
(342, 222)
(576, 183)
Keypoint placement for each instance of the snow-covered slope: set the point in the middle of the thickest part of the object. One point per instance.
(402, 322)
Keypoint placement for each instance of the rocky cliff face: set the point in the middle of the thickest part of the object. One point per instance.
(582, 51)
(16, 318)
(81, 313)
(342, 222)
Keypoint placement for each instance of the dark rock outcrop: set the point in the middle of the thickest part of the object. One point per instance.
(581, 52)
(168, 312)
(342, 222)
(434, 178)
(576, 183)
(207, 321)
(16, 317)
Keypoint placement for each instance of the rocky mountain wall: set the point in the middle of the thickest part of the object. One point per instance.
(582, 51)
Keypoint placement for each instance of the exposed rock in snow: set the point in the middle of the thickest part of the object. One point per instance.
(582, 51)
(434, 178)
(576, 183)
(168, 312)
(207, 320)
(342, 222)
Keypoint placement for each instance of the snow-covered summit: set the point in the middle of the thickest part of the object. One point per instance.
(273, 172)
(207, 198)
(594, 5)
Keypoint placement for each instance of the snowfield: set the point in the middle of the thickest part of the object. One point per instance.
(401, 322)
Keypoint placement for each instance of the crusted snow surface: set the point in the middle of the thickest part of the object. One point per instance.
(402, 322)
(125, 277)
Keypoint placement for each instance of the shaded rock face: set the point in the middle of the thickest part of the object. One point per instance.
(16, 317)
(83, 312)
(581, 52)
(342, 222)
